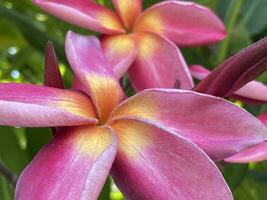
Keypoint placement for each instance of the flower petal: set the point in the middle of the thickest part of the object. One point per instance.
(128, 10)
(159, 64)
(217, 126)
(39, 106)
(83, 13)
(236, 71)
(148, 155)
(253, 154)
(52, 77)
(253, 92)
(120, 51)
(87, 60)
(74, 165)
(184, 23)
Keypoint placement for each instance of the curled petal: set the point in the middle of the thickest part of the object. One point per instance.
(52, 77)
(219, 127)
(149, 155)
(83, 13)
(159, 64)
(94, 72)
(252, 92)
(236, 71)
(27, 105)
(192, 25)
(74, 165)
(120, 51)
(128, 10)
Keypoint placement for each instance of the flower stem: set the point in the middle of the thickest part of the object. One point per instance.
(9, 175)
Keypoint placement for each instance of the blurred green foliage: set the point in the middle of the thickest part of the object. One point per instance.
(24, 31)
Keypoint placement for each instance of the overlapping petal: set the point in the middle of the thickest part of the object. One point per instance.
(40, 106)
(185, 23)
(91, 68)
(159, 64)
(236, 71)
(120, 51)
(84, 13)
(52, 76)
(148, 155)
(219, 127)
(253, 154)
(74, 165)
(252, 92)
(128, 10)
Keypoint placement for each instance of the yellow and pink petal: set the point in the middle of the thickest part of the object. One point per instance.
(74, 165)
(120, 51)
(128, 11)
(159, 64)
(219, 127)
(193, 24)
(84, 13)
(39, 106)
(86, 58)
(153, 162)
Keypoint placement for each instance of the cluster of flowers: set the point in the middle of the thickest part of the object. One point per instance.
(157, 144)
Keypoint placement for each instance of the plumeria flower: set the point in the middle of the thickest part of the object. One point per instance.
(144, 141)
(144, 40)
(235, 76)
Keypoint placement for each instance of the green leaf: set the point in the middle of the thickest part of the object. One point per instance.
(255, 15)
(36, 139)
(251, 189)
(234, 174)
(32, 32)
(5, 192)
(11, 152)
(13, 156)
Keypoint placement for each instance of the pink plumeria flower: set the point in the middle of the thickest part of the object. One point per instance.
(144, 141)
(144, 40)
(235, 76)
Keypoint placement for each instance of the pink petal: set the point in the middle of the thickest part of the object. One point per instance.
(251, 93)
(27, 105)
(120, 51)
(199, 71)
(128, 10)
(219, 127)
(74, 165)
(154, 163)
(94, 72)
(236, 71)
(253, 154)
(159, 64)
(52, 74)
(84, 13)
(184, 23)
